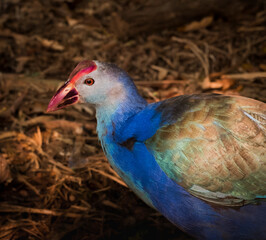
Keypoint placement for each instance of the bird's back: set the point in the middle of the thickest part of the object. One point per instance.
(215, 148)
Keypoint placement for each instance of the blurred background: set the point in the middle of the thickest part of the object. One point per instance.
(55, 182)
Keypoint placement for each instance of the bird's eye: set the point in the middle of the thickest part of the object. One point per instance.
(89, 81)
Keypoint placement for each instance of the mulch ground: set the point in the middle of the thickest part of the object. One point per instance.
(55, 182)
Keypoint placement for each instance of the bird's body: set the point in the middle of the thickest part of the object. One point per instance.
(198, 159)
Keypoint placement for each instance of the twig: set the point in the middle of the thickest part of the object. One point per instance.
(159, 83)
(23, 180)
(108, 176)
(203, 58)
(251, 44)
(14, 208)
(61, 166)
(251, 29)
(7, 135)
(247, 76)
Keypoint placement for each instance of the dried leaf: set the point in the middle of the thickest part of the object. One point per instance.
(224, 83)
(196, 25)
(262, 67)
(71, 21)
(50, 43)
(37, 137)
(227, 83)
(162, 71)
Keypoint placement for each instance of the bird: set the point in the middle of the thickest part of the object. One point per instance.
(197, 159)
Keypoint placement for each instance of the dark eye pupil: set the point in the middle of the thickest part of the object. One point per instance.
(89, 81)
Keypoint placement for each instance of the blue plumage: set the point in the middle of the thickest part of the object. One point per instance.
(188, 157)
(200, 219)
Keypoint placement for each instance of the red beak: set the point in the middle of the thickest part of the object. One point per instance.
(65, 96)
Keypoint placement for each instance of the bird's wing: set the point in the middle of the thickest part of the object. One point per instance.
(215, 148)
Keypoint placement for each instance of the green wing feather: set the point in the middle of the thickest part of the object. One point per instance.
(216, 150)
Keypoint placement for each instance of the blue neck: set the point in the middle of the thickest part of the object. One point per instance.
(113, 115)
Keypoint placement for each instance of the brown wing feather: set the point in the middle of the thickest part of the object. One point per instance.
(217, 149)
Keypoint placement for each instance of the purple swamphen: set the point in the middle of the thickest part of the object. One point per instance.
(198, 159)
